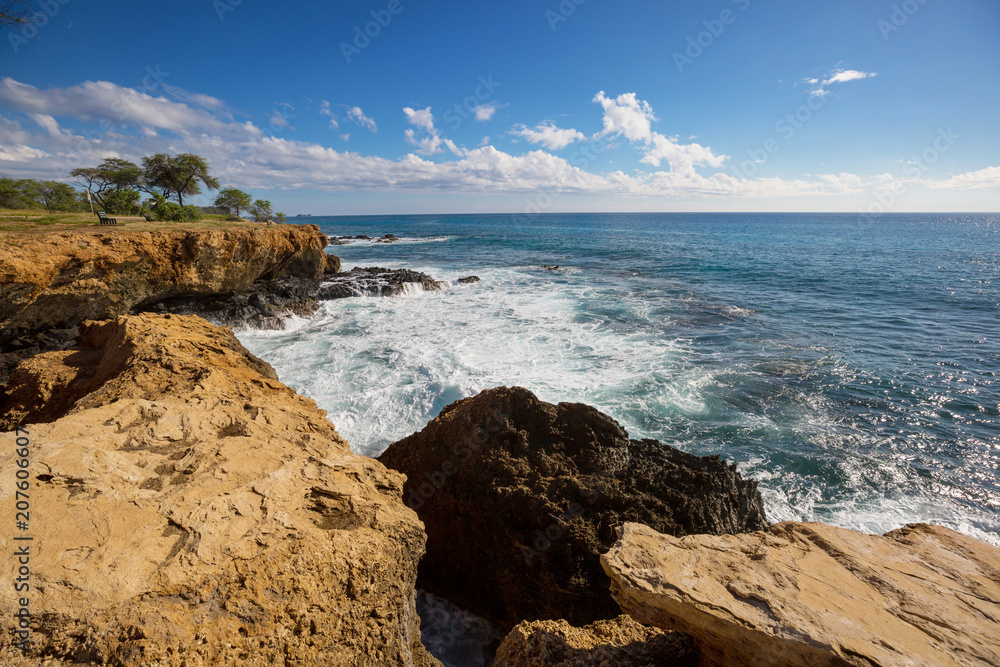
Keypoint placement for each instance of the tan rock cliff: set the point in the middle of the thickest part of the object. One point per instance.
(812, 594)
(63, 278)
(189, 509)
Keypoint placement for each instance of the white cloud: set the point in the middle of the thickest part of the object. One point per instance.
(549, 135)
(359, 117)
(421, 118)
(243, 155)
(628, 116)
(325, 110)
(346, 136)
(984, 178)
(484, 112)
(431, 142)
(837, 76)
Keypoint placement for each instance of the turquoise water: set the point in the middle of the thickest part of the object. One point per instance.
(849, 365)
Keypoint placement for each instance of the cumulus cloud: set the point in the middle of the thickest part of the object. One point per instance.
(984, 178)
(430, 141)
(247, 156)
(837, 76)
(484, 112)
(632, 118)
(548, 135)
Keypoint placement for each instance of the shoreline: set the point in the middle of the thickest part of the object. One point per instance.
(328, 504)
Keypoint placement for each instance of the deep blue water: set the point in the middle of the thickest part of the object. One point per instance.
(849, 365)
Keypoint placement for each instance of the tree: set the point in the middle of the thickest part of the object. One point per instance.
(261, 210)
(161, 209)
(110, 176)
(13, 16)
(279, 216)
(233, 200)
(123, 201)
(56, 196)
(179, 175)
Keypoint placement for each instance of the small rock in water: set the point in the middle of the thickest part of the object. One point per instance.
(469, 279)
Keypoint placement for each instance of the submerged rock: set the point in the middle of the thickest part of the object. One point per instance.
(812, 594)
(611, 643)
(520, 498)
(189, 509)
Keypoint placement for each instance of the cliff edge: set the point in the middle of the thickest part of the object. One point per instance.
(186, 508)
(59, 279)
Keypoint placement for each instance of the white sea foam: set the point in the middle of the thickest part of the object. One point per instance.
(383, 367)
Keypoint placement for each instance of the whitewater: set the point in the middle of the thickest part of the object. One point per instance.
(847, 364)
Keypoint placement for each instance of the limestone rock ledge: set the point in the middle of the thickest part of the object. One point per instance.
(812, 594)
(55, 279)
(189, 509)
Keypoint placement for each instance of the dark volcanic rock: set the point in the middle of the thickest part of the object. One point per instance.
(469, 279)
(375, 281)
(16, 346)
(268, 302)
(520, 498)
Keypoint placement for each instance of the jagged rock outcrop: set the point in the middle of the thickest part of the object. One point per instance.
(266, 303)
(59, 279)
(611, 643)
(520, 498)
(186, 508)
(812, 594)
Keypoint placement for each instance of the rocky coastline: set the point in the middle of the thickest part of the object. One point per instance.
(189, 509)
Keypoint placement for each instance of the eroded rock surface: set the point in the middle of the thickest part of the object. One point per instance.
(60, 279)
(812, 594)
(611, 643)
(189, 509)
(520, 498)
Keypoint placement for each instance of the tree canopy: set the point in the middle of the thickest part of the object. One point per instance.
(177, 175)
(233, 200)
(110, 176)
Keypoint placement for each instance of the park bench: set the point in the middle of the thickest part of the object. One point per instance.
(118, 219)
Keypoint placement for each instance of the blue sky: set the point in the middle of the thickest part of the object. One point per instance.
(855, 105)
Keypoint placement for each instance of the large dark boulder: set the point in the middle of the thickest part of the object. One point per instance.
(520, 497)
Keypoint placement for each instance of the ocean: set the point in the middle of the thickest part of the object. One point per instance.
(848, 364)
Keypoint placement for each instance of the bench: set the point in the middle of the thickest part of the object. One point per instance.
(118, 219)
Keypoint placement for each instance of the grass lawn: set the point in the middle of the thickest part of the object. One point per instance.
(38, 220)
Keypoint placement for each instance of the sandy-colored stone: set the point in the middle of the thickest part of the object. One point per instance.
(189, 509)
(611, 643)
(64, 278)
(812, 594)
